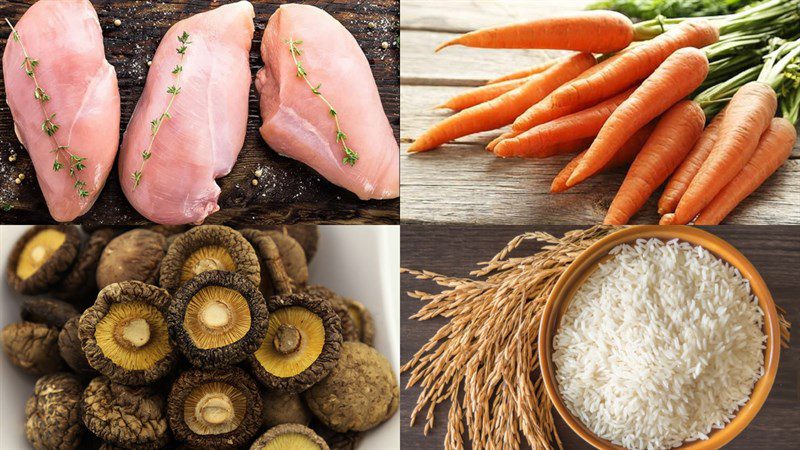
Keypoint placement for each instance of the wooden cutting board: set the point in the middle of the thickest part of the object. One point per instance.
(287, 190)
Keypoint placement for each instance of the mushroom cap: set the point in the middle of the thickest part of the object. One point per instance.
(53, 413)
(131, 316)
(328, 353)
(182, 322)
(240, 253)
(274, 278)
(80, 285)
(132, 417)
(292, 256)
(232, 404)
(360, 319)
(290, 436)
(33, 347)
(69, 347)
(284, 407)
(48, 311)
(51, 270)
(132, 256)
(360, 393)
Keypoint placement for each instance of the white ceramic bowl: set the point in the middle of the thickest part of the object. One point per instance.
(362, 262)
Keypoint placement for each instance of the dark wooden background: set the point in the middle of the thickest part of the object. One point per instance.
(454, 250)
(287, 192)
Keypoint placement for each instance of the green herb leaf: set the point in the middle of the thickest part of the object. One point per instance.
(57, 166)
(7, 207)
(177, 69)
(174, 90)
(146, 155)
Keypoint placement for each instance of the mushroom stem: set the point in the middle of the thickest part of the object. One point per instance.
(215, 315)
(287, 339)
(38, 254)
(134, 333)
(214, 409)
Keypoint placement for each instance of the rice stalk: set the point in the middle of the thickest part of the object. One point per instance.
(484, 360)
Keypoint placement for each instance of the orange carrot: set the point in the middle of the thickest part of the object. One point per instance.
(635, 64)
(490, 146)
(677, 184)
(502, 110)
(773, 150)
(746, 118)
(545, 111)
(624, 156)
(676, 78)
(567, 147)
(481, 94)
(586, 31)
(525, 73)
(676, 133)
(586, 123)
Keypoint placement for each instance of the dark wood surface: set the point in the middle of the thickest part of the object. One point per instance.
(287, 192)
(454, 250)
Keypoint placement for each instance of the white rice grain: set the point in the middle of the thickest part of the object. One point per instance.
(660, 345)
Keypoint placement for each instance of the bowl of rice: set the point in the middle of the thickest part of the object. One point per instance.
(659, 337)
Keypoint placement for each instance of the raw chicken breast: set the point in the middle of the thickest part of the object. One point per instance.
(209, 117)
(66, 40)
(298, 124)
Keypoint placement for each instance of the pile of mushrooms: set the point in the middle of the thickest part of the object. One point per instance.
(199, 338)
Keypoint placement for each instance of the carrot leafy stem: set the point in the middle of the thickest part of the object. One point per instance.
(350, 155)
(71, 161)
(155, 124)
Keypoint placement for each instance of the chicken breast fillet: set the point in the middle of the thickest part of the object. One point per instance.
(203, 137)
(82, 100)
(298, 124)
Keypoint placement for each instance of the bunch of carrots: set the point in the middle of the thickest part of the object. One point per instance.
(644, 102)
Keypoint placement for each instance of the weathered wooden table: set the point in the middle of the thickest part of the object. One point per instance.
(455, 250)
(287, 191)
(461, 182)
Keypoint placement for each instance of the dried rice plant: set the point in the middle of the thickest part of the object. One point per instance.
(484, 361)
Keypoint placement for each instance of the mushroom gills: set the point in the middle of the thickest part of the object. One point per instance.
(38, 250)
(214, 408)
(212, 257)
(217, 316)
(291, 441)
(133, 335)
(295, 337)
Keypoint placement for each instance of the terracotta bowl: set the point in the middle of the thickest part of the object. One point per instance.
(585, 264)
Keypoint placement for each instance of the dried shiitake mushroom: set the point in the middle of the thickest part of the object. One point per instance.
(54, 313)
(306, 235)
(131, 417)
(347, 440)
(360, 317)
(284, 407)
(302, 343)
(360, 393)
(290, 436)
(274, 278)
(215, 408)
(33, 347)
(135, 255)
(41, 257)
(79, 285)
(217, 319)
(53, 413)
(292, 256)
(125, 334)
(204, 248)
(69, 347)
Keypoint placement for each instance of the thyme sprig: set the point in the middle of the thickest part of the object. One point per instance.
(155, 124)
(72, 162)
(350, 155)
